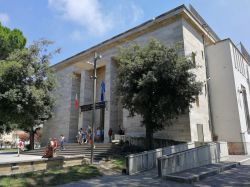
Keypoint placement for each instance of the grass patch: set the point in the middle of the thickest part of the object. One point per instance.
(51, 177)
(7, 150)
(119, 162)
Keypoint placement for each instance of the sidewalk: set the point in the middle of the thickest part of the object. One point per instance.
(144, 179)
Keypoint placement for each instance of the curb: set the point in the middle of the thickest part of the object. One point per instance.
(199, 177)
(243, 160)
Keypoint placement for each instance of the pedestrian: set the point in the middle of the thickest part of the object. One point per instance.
(89, 133)
(102, 134)
(62, 142)
(83, 136)
(98, 134)
(48, 153)
(80, 136)
(54, 145)
(20, 146)
(110, 133)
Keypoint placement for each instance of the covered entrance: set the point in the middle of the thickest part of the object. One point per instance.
(98, 128)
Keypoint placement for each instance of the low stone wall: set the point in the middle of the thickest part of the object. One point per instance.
(148, 159)
(141, 141)
(120, 137)
(221, 146)
(188, 159)
(12, 168)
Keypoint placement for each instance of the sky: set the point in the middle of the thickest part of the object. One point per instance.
(76, 25)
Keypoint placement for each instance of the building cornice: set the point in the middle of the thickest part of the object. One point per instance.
(148, 26)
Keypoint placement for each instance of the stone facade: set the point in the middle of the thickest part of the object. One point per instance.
(60, 122)
(175, 27)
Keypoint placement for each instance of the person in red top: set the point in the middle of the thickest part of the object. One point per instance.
(110, 133)
(20, 146)
(54, 144)
(48, 153)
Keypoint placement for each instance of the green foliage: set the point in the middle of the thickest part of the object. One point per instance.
(26, 85)
(10, 40)
(119, 162)
(156, 83)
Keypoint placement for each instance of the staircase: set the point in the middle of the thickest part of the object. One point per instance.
(101, 150)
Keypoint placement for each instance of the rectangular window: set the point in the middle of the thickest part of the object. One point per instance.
(193, 58)
(202, 54)
(245, 103)
(197, 101)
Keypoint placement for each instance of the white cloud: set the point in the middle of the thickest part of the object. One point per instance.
(4, 18)
(76, 35)
(92, 16)
(86, 13)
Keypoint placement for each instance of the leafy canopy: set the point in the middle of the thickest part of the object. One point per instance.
(10, 40)
(26, 85)
(156, 83)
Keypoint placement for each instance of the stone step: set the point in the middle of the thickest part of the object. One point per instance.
(199, 173)
(72, 149)
(100, 151)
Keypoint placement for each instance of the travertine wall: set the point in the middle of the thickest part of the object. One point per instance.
(74, 112)
(111, 111)
(86, 88)
(193, 42)
(60, 122)
(170, 35)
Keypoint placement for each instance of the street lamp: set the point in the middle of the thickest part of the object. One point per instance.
(96, 57)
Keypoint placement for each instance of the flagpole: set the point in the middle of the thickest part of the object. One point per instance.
(93, 111)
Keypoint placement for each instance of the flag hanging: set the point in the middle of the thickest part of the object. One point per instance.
(76, 102)
(102, 91)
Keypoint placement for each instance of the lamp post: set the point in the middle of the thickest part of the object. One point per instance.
(96, 57)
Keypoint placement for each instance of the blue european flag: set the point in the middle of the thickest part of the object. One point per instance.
(102, 91)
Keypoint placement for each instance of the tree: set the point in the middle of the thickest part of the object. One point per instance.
(156, 83)
(10, 40)
(26, 85)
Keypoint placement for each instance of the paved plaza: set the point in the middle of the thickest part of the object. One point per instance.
(239, 176)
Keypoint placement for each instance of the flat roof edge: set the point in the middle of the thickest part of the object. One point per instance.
(112, 39)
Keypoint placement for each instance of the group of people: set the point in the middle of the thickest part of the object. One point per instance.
(52, 146)
(85, 135)
(121, 131)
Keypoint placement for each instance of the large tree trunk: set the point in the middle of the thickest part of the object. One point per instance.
(32, 139)
(149, 138)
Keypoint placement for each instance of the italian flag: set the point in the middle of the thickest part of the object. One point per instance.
(76, 102)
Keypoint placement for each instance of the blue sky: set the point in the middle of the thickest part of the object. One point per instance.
(76, 25)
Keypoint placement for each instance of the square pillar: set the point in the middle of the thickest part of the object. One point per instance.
(111, 111)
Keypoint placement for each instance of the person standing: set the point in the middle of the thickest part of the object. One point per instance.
(20, 146)
(62, 139)
(98, 134)
(89, 134)
(110, 133)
